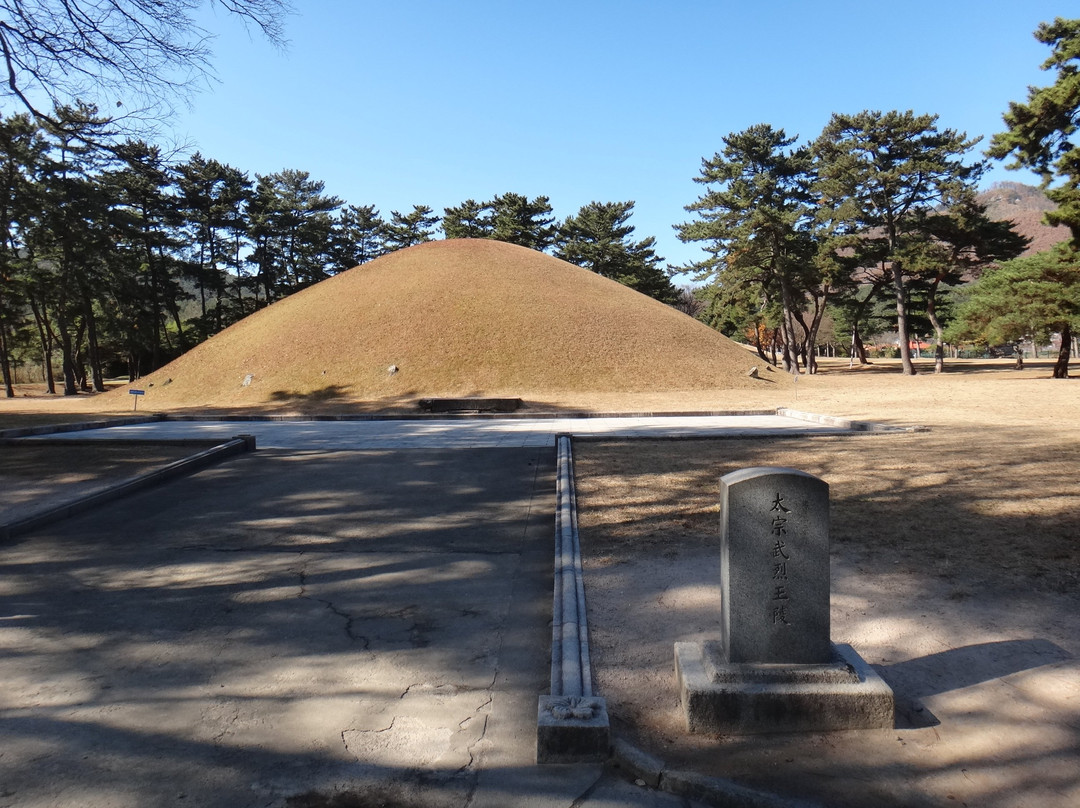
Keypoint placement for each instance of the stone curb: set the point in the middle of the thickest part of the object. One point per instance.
(847, 423)
(713, 791)
(178, 468)
(572, 723)
(80, 426)
(455, 416)
(75, 440)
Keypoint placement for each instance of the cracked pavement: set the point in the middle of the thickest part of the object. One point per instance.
(287, 627)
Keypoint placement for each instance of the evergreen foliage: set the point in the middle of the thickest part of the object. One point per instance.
(409, 229)
(360, 236)
(879, 176)
(470, 219)
(1040, 133)
(516, 219)
(509, 217)
(1034, 296)
(756, 223)
(599, 238)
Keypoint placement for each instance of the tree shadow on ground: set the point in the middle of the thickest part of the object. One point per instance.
(284, 622)
(954, 573)
(322, 395)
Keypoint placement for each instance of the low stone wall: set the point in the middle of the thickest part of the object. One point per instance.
(187, 465)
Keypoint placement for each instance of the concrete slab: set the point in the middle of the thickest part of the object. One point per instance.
(320, 623)
(463, 433)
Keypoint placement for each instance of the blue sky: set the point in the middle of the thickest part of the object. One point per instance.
(403, 102)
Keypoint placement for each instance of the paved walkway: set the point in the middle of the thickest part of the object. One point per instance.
(475, 433)
(299, 629)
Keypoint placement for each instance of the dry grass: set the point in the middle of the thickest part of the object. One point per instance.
(458, 317)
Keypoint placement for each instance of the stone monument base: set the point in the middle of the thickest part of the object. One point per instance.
(745, 698)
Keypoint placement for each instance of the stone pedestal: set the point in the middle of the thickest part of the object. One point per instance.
(748, 698)
(774, 668)
(572, 729)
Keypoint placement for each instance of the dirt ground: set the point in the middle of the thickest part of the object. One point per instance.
(955, 572)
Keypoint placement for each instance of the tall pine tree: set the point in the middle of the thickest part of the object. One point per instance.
(879, 173)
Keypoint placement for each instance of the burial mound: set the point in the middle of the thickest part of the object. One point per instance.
(462, 317)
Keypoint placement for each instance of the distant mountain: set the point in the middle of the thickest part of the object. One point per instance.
(1024, 205)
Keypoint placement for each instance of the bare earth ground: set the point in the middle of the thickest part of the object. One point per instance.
(955, 566)
(955, 572)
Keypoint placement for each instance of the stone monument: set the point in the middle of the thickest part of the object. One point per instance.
(775, 668)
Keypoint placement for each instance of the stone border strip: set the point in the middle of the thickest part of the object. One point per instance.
(847, 423)
(713, 791)
(178, 468)
(572, 723)
(78, 426)
(831, 420)
(453, 416)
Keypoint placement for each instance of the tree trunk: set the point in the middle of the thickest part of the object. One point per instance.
(67, 358)
(67, 346)
(820, 303)
(5, 360)
(858, 348)
(907, 367)
(757, 342)
(92, 350)
(939, 333)
(857, 345)
(788, 352)
(77, 358)
(1061, 367)
(45, 335)
(787, 322)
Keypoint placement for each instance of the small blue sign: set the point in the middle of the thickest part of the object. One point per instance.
(137, 392)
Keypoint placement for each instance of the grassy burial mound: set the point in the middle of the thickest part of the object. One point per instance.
(453, 318)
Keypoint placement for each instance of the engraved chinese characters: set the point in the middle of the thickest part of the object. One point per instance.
(774, 550)
(779, 561)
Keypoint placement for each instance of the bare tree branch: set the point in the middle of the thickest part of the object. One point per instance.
(144, 55)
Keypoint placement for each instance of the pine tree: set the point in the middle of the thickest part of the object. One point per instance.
(359, 236)
(70, 240)
(470, 219)
(145, 285)
(1037, 295)
(946, 248)
(410, 229)
(1041, 133)
(20, 153)
(878, 173)
(213, 198)
(516, 219)
(755, 222)
(599, 238)
(1042, 136)
(291, 224)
